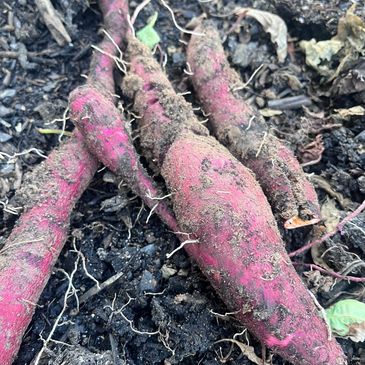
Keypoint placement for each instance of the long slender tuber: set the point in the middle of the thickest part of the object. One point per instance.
(244, 132)
(219, 203)
(35, 243)
(95, 115)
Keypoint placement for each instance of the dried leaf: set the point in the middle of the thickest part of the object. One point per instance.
(317, 52)
(147, 35)
(347, 319)
(272, 24)
(351, 29)
(348, 44)
(330, 214)
(346, 113)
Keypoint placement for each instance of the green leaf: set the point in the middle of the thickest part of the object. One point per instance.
(147, 34)
(347, 319)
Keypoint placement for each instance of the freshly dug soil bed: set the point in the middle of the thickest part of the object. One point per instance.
(163, 311)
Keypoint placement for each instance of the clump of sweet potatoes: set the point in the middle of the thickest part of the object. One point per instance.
(218, 202)
(243, 131)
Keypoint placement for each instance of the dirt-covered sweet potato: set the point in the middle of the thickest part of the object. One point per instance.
(243, 131)
(218, 202)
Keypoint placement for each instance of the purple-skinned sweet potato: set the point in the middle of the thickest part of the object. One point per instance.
(218, 202)
(243, 131)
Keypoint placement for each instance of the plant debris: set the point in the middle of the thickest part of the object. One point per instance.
(272, 24)
(347, 319)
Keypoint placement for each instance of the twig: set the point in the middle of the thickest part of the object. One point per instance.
(52, 21)
(338, 228)
(292, 102)
(329, 272)
(98, 288)
(54, 131)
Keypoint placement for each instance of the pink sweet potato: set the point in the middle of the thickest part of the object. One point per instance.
(244, 132)
(93, 111)
(50, 194)
(31, 250)
(105, 133)
(219, 203)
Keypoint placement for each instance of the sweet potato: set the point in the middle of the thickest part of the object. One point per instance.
(32, 248)
(244, 132)
(107, 138)
(218, 202)
(50, 194)
(93, 111)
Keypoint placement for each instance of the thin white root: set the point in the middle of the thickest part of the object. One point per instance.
(138, 9)
(149, 196)
(250, 122)
(163, 2)
(119, 62)
(12, 157)
(9, 209)
(188, 70)
(151, 212)
(182, 245)
(261, 145)
(241, 87)
(130, 322)
(70, 291)
(64, 119)
(131, 25)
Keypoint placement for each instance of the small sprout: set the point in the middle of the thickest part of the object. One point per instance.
(147, 34)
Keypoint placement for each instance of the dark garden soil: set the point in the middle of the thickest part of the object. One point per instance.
(169, 298)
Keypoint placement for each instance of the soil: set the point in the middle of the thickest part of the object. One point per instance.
(163, 311)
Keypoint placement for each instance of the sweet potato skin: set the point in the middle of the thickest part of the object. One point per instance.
(106, 136)
(219, 203)
(241, 253)
(243, 131)
(37, 240)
